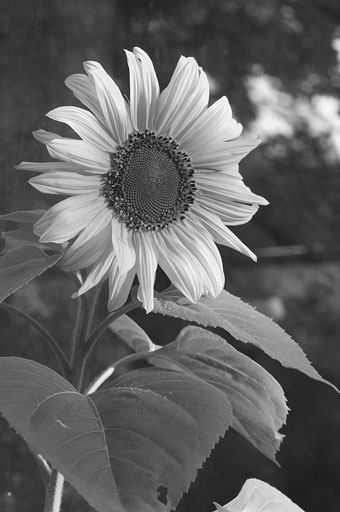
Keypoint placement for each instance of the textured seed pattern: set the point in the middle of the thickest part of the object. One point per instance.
(150, 184)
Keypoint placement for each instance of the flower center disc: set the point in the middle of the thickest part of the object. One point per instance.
(149, 185)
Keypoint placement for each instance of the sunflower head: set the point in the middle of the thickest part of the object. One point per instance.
(153, 181)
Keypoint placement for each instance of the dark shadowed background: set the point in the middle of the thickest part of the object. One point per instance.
(278, 63)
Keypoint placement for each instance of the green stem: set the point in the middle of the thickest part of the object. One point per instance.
(99, 380)
(44, 469)
(94, 336)
(106, 374)
(52, 343)
(79, 329)
(54, 492)
(131, 358)
(90, 315)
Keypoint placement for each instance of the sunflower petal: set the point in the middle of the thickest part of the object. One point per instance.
(47, 166)
(119, 286)
(65, 182)
(215, 125)
(220, 232)
(66, 219)
(183, 100)
(85, 125)
(201, 244)
(224, 155)
(222, 186)
(44, 137)
(98, 272)
(122, 246)
(85, 91)
(144, 89)
(146, 264)
(230, 212)
(111, 100)
(179, 264)
(79, 152)
(89, 245)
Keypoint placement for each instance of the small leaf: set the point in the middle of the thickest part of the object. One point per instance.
(20, 266)
(20, 237)
(132, 334)
(24, 216)
(135, 445)
(25, 234)
(258, 496)
(257, 399)
(242, 321)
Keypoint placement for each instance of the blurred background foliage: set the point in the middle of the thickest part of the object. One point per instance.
(278, 63)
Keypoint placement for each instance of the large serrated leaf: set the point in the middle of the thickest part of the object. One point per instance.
(258, 496)
(20, 266)
(68, 432)
(257, 399)
(23, 385)
(208, 411)
(242, 321)
(189, 394)
(135, 445)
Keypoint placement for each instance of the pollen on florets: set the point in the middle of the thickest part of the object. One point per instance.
(150, 183)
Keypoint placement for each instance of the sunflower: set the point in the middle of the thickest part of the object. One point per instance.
(153, 181)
